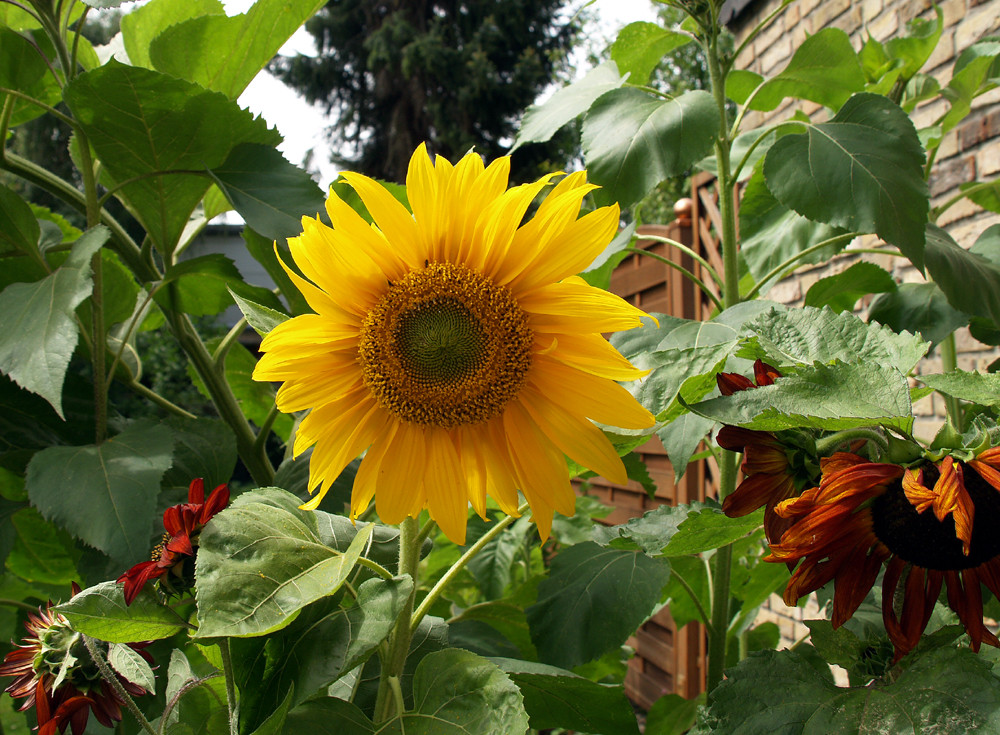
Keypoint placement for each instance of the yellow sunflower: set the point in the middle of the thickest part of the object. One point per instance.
(454, 344)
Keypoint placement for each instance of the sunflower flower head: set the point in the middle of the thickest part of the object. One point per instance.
(53, 673)
(932, 525)
(172, 560)
(453, 344)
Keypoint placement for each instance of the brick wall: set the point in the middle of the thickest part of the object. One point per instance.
(969, 152)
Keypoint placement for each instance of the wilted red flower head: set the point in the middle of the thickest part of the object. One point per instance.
(183, 523)
(934, 525)
(54, 674)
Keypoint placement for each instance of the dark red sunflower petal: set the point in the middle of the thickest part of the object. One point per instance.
(137, 577)
(730, 383)
(217, 501)
(763, 373)
(196, 491)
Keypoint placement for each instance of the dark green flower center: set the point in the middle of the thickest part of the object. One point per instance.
(923, 540)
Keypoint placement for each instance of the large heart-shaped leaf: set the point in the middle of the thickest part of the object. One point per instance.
(147, 21)
(105, 494)
(824, 69)
(919, 308)
(969, 278)
(862, 171)
(593, 599)
(632, 140)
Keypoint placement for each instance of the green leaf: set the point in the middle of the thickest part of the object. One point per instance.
(459, 693)
(981, 388)
(131, 666)
(200, 285)
(38, 331)
(105, 494)
(492, 565)
(23, 68)
(101, 613)
(632, 141)
(321, 645)
(506, 618)
(542, 121)
(969, 279)
(830, 397)
(158, 124)
(842, 291)
(593, 599)
(201, 710)
(38, 554)
(916, 47)
(975, 72)
(919, 308)
(261, 318)
(224, 53)
(984, 193)
(554, 697)
(673, 715)
(259, 565)
(264, 252)
(824, 69)
(862, 170)
(781, 692)
(740, 83)
(641, 46)
(147, 21)
(808, 335)
(316, 716)
(771, 233)
(271, 194)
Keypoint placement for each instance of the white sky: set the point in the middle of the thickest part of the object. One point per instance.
(302, 125)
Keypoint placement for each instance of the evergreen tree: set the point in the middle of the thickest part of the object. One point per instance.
(457, 74)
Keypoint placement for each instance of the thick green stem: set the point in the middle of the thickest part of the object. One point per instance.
(222, 396)
(398, 648)
(100, 350)
(828, 444)
(231, 701)
(721, 572)
(949, 364)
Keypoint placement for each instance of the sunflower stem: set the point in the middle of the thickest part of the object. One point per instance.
(112, 679)
(386, 704)
(683, 271)
(827, 444)
(227, 671)
(949, 364)
(705, 618)
(721, 577)
(459, 565)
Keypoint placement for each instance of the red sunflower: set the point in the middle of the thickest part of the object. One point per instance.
(183, 523)
(768, 477)
(933, 524)
(54, 674)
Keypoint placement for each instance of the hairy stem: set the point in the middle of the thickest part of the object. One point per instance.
(231, 701)
(112, 679)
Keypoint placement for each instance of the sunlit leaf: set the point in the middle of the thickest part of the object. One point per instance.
(632, 140)
(23, 68)
(101, 613)
(640, 46)
(842, 291)
(145, 22)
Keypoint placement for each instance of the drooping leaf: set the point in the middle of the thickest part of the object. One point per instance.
(198, 286)
(19, 230)
(810, 335)
(919, 308)
(780, 691)
(830, 397)
(771, 233)
(101, 613)
(671, 714)
(261, 318)
(264, 252)
(204, 448)
(198, 703)
(131, 666)
(985, 194)
(842, 291)
(554, 697)
(38, 332)
(969, 279)
(158, 134)
(632, 141)
(542, 121)
(105, 494)
(640, 46)
(271, 194)
(862, 171)
(681, 437)
(458, 693)
(259, 565)
(492, 566)
(593, 599)
(824, 69)
(316, 716)
(224, 53)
